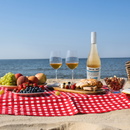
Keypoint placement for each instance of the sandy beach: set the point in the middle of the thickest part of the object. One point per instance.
(114, 120)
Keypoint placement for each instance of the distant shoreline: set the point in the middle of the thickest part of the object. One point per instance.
(64, 58)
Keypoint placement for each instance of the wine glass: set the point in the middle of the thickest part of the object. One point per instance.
(55, 61)
(72, 60)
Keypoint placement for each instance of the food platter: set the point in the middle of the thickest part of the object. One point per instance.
(28, 94)
(11, 87)
(80, 91)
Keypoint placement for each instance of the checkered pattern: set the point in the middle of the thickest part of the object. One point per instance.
(67, 104)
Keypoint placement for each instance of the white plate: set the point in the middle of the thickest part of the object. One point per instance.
(11, 87)
(127, 91)
(28, 94)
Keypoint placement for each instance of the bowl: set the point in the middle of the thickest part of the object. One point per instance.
(115, 84)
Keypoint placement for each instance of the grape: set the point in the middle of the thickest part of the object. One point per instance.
(7, 84)
(8, 79)
(57, 93)
(3, 83)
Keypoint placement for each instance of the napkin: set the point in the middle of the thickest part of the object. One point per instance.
(53, 85)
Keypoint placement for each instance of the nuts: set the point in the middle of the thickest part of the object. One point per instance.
(115, 83)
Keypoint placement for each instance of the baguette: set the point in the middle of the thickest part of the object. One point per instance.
(92, 84)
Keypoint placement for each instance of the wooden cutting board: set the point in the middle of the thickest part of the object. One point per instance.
(80, 91)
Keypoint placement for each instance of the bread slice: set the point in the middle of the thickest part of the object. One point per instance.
(89, 84)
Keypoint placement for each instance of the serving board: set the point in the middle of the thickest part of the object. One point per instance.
(80, 91)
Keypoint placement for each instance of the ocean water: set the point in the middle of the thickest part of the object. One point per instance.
(29, 67)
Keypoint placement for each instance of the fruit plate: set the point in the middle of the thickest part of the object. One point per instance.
(28, 94)
(10, 87)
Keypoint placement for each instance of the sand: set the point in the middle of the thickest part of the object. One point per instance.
(114, 120)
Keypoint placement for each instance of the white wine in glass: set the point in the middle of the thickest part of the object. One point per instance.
(72, 60)
(55, 61)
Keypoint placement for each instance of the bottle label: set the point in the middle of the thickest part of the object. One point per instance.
(93, 73)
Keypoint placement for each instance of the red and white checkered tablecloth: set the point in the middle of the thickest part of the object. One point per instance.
(67, 104)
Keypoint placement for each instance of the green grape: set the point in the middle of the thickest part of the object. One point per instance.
(3, 83)
(7, 84)
(9, 73)
(5, 76)
(2, 79)
(13, 75)
(8, 79)
(13, 78)
(11, 81)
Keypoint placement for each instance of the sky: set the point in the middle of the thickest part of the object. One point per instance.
(31, 29)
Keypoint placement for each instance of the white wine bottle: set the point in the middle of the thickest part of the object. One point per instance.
(93, 61)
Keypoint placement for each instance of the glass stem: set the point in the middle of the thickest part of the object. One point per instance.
(56, 75)
(72, 76)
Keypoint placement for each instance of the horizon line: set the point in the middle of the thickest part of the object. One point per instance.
(62, 58)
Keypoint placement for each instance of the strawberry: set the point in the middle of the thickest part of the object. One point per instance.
(24, 86)
(73, 86)
(31, 84)
(20, 86)
(35, 84)
(42, 86)
(67, 87)
(27, 83)
(22, 89)
(17, 91)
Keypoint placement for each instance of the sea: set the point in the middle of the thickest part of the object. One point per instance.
(29, 67)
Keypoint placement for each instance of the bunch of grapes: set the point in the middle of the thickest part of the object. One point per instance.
(8, 79)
